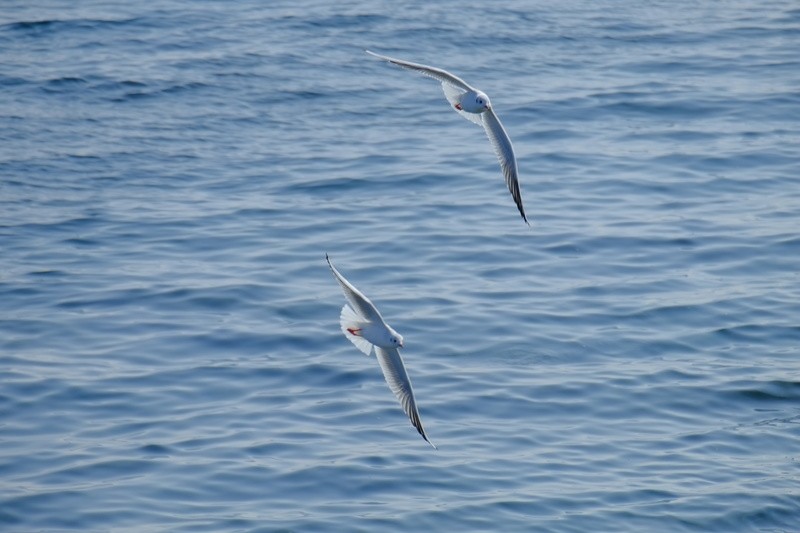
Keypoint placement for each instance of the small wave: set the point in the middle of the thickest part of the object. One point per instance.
(768, 391)
(135, 90)
(66, 80)
(9, 81)
(344, 21)
(39, 26)
(29, 25)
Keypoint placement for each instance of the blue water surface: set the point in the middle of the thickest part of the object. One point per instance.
(172, 174)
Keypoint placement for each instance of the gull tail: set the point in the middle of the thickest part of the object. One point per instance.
(352, 326)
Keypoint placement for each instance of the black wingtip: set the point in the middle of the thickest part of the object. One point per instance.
(421, 431)
(522, 214)
(429, 442)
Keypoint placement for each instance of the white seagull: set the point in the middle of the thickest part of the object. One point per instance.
(364, 326)
(474, 105)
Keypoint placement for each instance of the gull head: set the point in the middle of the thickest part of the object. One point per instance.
(397, 340)
(475, 102)
(394, 340)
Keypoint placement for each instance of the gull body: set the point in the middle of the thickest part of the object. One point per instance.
(363, 325)
(475, 106)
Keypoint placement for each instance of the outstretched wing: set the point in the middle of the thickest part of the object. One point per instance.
(433, 72)
(358, 301)
(395, 373)
(505, 153)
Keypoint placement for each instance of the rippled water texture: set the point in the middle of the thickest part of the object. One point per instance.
(172, 174)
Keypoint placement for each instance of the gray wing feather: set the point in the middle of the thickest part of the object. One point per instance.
(395, 373)
(433, 72)
(358, 301)
(505, 153)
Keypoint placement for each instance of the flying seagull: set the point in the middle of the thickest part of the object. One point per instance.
(364, 326)
(474, 105)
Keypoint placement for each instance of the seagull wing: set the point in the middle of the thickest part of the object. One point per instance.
(395, 373)
(505, 153)
(358, 301)
(433, 72)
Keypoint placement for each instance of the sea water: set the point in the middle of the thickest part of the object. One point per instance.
(172, 174)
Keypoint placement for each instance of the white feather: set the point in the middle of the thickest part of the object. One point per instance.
(394, 371)
(432, 72)
(505, 155)
(365, 309)
(349, 320)
(453, 95)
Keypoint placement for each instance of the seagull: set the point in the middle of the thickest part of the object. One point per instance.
(474, 105)
(364, 326)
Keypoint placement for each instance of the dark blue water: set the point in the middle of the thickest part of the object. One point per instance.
(172, 174)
